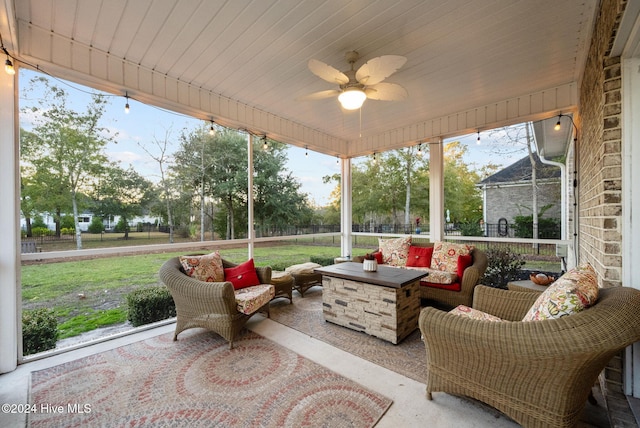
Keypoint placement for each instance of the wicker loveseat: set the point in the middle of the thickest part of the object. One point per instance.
(210, 305)
(458, 293)
(540, 373)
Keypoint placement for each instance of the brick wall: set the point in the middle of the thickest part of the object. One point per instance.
(599, 153)
(599, 159)
(510, 201)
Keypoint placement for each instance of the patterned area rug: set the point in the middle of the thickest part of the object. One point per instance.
(305, 315)
(198, 382)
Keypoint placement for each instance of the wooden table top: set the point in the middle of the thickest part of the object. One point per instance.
(385, 276)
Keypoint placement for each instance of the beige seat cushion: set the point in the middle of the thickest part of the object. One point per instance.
(303, 268)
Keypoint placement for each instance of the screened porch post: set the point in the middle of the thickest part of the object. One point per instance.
(10, 219)
(345, 208)
(436, 191)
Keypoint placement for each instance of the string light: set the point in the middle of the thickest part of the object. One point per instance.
(375, 158)
(212, 130)
(337, 160)
(557, 127)
(306, 151)
(126, 106)
(419, 150)
(478, 140)
(8, 65)
(265, 144)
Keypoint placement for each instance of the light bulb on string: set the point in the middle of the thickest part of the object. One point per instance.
(126, 106)
(419, 153)
(478, 139)
(8, 67)
(557, 126)
(212, 130)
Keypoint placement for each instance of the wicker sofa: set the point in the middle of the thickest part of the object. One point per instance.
(210, 305)
(539, 373)
(444, 298)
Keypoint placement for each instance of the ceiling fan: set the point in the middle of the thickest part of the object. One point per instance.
(358, 85)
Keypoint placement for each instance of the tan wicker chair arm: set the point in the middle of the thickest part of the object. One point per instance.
(264, 274)
(505, 304)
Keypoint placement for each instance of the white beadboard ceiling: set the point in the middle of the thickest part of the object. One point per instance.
(471, 64)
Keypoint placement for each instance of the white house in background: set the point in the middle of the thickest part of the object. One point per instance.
(85, 219)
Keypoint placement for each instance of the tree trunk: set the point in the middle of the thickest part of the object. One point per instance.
(76, 223)
(407, 204)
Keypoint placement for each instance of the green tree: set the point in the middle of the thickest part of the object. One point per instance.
(122, 192)
(462, 198)
(65, 148)
(278, 201)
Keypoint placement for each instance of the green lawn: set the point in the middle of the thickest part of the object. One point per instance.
(89, 294)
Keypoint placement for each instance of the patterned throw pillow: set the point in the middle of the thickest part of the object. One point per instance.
(206, 268)
(445, 255)
(395, 251)
(467, 312)
(571, 293)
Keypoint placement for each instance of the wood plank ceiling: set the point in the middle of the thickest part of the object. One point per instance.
(467, 60)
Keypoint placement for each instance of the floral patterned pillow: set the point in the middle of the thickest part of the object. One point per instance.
(207, 268)
(395, 251)
(571, 293)
(467, 312)
(445, 255)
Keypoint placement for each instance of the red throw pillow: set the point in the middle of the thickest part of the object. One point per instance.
(419, 256)
(378, 256)
(463, 263)
(242, 276)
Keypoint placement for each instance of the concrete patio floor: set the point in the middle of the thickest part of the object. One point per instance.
(410, 407)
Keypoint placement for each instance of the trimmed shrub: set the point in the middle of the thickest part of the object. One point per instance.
(96, 225)
(39, 331)
(471, 229)
(324, 261)
(148, 305)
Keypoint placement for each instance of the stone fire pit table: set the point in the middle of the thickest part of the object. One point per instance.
(385, 303)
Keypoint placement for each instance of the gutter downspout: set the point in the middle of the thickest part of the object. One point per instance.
(563, 199)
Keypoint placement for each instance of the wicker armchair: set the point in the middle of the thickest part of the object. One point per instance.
(450, 299)
(539, 373)
(210, 305)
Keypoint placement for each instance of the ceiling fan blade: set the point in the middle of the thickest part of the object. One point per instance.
(386, 92)
(328, 73)
(319, 95)
(377, 69)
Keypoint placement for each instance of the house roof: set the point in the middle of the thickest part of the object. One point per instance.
(520, 171)
(471, 64)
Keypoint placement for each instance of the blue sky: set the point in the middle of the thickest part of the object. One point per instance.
(144, 124)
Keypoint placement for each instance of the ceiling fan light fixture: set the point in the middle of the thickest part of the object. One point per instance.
(352, 98)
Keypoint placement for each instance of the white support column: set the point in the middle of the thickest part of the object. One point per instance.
(10, 221)
(630, 227)
(251, 234)
(436, 191)
(345, 208)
